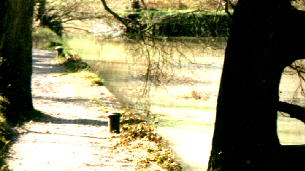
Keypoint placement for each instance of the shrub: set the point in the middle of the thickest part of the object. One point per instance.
(195, 25)
(73, 63)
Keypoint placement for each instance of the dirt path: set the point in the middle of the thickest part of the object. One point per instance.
(73, 135)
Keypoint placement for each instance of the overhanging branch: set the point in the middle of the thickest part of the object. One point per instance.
(115, 15)
(294, 111)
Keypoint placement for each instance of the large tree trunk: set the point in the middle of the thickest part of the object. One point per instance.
(16, 56)
(245, 135)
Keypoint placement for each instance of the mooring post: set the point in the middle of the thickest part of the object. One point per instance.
(60, 51)
(114, 122)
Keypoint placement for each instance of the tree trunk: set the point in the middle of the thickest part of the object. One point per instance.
(245, 135)
(41, 9)
(16, 54)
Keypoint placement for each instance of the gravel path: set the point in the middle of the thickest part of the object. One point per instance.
(73, 135)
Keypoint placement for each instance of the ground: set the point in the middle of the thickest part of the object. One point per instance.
(73, 134)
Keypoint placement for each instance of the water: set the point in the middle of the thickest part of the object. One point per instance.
(180, 88)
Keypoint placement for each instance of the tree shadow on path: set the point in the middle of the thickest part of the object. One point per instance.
(41, 64)
(50, 119)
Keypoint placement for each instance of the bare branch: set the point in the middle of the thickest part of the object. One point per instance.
(294, 111)
(115, 15)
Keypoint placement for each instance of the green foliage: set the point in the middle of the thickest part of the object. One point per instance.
(3, 105)
(45, 38)
(196, 24)
(175, 23)
(73, 63)
(5, 131)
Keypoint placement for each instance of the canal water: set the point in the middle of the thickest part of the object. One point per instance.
(177, 81)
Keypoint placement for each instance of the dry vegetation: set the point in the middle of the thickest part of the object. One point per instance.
(148, 148)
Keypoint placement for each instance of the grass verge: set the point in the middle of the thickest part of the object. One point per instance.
(148, 148)
(72, 62)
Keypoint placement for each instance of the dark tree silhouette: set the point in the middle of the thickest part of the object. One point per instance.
(16, 59)
(265, 38)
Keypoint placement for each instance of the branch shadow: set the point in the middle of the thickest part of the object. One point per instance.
(39, 67)
(62, 100)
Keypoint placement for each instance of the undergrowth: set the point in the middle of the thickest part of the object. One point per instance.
(6, 135)
(72, 62)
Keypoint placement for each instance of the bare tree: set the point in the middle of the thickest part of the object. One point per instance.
(55, 14)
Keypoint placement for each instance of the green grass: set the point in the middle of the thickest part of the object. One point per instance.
(74, 64)
(6, 135)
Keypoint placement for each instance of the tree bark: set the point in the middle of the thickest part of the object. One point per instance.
(16, 53)
(245, 135)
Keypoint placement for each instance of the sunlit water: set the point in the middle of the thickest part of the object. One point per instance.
(181, 91)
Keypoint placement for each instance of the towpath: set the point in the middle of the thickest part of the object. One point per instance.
(73, 134)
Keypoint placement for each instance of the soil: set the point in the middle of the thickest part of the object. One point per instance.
(73, 134)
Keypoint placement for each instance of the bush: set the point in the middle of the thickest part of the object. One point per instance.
(73, 63)
(194, 25)
(182, 23)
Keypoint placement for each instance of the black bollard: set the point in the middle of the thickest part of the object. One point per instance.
(60, 51)
(114, 122)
